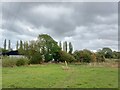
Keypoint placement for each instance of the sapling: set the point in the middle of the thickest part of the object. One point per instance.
(65, 67)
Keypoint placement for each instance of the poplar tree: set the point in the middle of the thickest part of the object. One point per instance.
(70, 48)
(65, 46)
(21, 51)
(5, 44)
(60, 45)
(21, 44)
(17, 45)
(9, 46)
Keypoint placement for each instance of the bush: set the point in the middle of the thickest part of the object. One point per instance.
(8, 62)
(22, 62)
(100, 57)
(66, 57)
(83, 55)
(87, 57)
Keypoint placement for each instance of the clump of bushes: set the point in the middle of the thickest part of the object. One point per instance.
(100, 58)
(83, 56)
(22, 62)
(88, 56)
(63, 56)
(11, 62)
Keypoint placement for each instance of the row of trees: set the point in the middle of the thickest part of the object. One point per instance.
(67, 47)
(46, 49)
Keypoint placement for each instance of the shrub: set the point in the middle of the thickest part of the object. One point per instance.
(83, 55)
(100, 57)
(8, 62)
(11, 62)
(86, 57)
(22, 62)
(66, 57)
(77, 55)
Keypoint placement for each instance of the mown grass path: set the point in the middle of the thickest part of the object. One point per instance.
(53, 76)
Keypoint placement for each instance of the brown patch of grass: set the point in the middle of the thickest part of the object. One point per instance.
(105, 64)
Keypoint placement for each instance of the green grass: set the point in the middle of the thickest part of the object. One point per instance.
(53, 76)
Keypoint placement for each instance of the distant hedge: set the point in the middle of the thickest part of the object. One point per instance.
(11, 62)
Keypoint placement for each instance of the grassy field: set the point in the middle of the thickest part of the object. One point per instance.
(53, 76)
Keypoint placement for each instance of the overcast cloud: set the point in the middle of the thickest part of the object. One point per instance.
(92, 25)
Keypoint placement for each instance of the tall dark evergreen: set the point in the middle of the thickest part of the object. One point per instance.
(5, 44)
(70, 48)
(17, 45)
(21, 50)
(9, 45)
(21, 44)
(65, 46)
(60, 45)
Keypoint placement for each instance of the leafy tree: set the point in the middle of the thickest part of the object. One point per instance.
(86, 56)
(48, 57)
(56, 56)
(87, 51)
(47, 46)
(118, 55)
(107, 52)
(115, 55)
(100, 56)
(76, 54)
(70, 48)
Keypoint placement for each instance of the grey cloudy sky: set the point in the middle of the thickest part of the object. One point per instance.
(90, 25)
